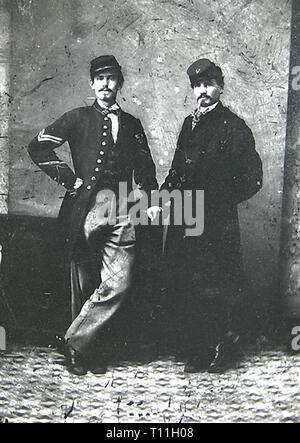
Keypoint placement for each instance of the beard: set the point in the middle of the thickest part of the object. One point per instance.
(106, 95)
(204, 101)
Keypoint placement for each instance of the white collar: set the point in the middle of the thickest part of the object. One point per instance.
(113, 107)
(206, 109)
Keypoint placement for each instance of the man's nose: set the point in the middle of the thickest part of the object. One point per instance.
(202, 88)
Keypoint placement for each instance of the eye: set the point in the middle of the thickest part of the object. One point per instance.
(209, 84)
(213, 83)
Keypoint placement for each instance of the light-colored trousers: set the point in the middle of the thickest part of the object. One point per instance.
(111, 241)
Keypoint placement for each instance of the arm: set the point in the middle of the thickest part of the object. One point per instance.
(42, 151)
(177, 176)
(246, 165)
(144, 167)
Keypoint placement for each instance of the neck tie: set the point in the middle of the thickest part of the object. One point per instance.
(197, 116)
(113, 125)
(114, 109)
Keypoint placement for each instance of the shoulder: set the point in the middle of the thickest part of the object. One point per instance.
(80, 111)
(237, 130)
(133, 126)
(134, 129)
(233, 119)
(187, 121)
(129, 119)
(76, 113)
(187, 118)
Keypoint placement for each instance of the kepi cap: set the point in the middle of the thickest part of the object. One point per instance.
(104, 62)
(204, 68)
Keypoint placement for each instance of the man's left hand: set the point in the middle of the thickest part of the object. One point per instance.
(153, 212)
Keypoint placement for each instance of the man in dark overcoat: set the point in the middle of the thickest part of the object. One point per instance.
(215, 153)
(108, 147)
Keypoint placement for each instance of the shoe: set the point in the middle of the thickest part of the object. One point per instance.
(98, 370)
(198, 363)
(58, 342)
(145, 352)
(225, 355)
(98, 364)
(74, 362)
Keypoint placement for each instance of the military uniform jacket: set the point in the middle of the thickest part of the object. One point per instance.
(219, 157)
(85, 129)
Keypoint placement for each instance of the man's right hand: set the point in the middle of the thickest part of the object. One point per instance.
(153, 212)
(77, 185)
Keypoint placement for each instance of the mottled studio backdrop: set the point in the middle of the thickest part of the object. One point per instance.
(155, 41)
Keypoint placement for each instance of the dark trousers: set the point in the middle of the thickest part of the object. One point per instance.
(205, 301)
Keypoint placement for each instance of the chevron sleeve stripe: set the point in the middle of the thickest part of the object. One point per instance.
(42, 137)
(42, 150)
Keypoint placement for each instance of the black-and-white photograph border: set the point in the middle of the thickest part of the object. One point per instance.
(149, 212)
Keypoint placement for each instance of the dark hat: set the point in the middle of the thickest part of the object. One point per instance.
(104, 62)
(204, 68)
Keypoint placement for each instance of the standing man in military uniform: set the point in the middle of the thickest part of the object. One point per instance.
(108, 147)
(215, 153)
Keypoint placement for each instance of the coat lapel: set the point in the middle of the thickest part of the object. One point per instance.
(123, 130)
(205, 141)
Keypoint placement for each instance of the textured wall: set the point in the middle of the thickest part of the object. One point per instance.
(290, 288)
(155, 41)
(4, 104)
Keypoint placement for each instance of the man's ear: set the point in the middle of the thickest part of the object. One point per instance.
(91, 83)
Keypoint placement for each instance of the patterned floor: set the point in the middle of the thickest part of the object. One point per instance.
(35, 387)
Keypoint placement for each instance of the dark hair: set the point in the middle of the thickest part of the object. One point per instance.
(218, 76)
(117, 71)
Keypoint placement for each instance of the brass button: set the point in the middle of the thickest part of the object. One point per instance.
(105, 127)
(99, 161)
(103, 143)
(97, 169)
(101, 152)
(93, 178)
(104, 134)
(89, 187)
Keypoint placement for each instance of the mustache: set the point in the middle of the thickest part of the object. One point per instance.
(202, 96)
(105, 90)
